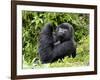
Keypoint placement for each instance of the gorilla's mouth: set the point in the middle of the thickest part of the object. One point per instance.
(64, 37)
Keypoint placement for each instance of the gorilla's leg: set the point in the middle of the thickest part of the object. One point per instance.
(65, 49)
(46, 44)
(74, 54)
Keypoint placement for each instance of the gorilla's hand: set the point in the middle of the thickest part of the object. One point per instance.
(57, 43)
(48, 29)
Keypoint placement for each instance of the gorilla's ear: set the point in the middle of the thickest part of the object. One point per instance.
(72, 34)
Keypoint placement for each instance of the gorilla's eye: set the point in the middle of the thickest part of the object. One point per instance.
(63, 30)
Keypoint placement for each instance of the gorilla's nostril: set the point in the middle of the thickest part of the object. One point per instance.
(60, 34)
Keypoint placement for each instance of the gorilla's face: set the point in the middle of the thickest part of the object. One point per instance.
(63, 32)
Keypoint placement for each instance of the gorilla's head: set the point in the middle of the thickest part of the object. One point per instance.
(64, 32)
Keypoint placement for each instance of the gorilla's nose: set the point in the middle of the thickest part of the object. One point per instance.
(61, 34)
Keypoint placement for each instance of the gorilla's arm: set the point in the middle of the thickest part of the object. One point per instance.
(46, 44)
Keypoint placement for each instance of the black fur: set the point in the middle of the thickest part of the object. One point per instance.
(49, 51)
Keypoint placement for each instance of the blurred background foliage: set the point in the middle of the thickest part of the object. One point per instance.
(33, 22)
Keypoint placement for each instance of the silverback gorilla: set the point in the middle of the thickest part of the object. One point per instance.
(56, 45)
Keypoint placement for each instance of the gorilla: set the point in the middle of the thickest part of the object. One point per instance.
(54, 45)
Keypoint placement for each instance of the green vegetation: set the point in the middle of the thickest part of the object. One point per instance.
(33, 22)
